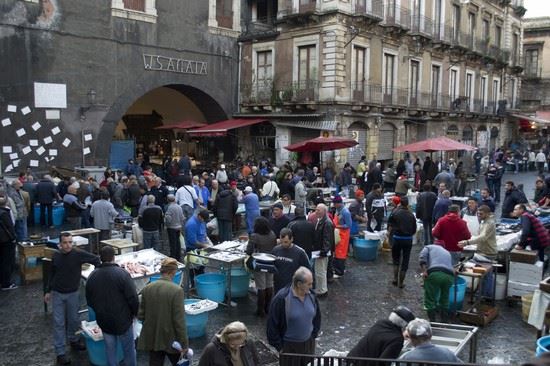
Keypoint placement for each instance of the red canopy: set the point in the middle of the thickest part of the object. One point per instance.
(322, 144)
(436, 144)
(183, 125)
(220, 128)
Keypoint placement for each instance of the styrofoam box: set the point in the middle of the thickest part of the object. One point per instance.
(80, 240)
(520, 288)
(526, 273)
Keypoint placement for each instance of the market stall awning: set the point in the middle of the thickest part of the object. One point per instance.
(322, 144)
(220, 128)
(541, 117)
(182, 125)
(312, 125)
(441, 143)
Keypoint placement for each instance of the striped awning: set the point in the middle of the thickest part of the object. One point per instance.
(313, 125)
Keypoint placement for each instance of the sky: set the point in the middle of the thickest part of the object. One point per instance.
(537, 8)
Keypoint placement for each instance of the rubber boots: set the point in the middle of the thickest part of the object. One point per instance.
(268, 297)
(402, 274)
(431, 315)
(395, 275)
(260, 311)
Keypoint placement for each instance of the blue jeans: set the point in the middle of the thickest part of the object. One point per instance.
(128, 346)
(428, 239)
(64, 306)
(21, 229)
(151, 239)
(250, 217)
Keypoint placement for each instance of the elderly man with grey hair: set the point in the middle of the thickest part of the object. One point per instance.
(150, 221)
(295, 319)
(104, 214)
(323, 246)
(419, 332)
(173, 219)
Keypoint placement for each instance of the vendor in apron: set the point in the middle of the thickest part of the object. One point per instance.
(342, 222)
(469, 214)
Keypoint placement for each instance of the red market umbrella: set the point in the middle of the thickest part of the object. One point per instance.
(322, 144)
(435, 144)
(182, 125)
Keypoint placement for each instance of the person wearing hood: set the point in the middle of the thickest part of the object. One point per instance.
(512, 197)
(225, 208)
(384, 339)
(230, 347)
(451, 229)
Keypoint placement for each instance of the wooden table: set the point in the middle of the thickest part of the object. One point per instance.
(30, 263)
(88, 231)
(120, 244)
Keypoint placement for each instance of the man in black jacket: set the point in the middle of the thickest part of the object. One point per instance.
(62, 289)
(111, 293)
(375, 206)
(402, 226)
(151, 221)
(225, 208)
(512, 197)
(73, 208)
(323, 244)
(7, 246)
(424, 211)
(302, 230)
(384, 339)
(295, 319)
(45, 195)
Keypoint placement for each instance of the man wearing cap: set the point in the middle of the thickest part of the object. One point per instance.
(163, 315)
(402, 227)
(357, 211)
(111, 293)
(384, 339)
(376, 207)
(252, 208)
(221, 175)
(278, 219)
(195, 231)
(419, 332)
(437, 269)
(342, 222)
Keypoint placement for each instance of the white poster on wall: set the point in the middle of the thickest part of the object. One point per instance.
(48, 95)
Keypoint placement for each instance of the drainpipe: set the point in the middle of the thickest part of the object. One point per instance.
(239, 79)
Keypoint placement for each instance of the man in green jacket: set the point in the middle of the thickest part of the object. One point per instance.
(162, 312)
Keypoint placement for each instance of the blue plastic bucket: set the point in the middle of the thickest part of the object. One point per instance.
(365, 249)
(211, 286)
(543, 345)
(456, 304)
(240, 279)
(58, 215)
(196, 324)
(176, 280)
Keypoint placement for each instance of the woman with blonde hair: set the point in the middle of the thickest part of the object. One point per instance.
(230, 347)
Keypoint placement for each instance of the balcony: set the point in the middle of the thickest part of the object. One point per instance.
(422, 26)
(305, 8)
(258, 93)
(396, 17)
(370, 9)
(259, 29)
(304, 91)
(532, 72)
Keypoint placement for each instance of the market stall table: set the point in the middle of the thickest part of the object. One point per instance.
(87, 232)
(121, 245)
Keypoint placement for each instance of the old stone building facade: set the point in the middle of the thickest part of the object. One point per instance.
(384, 72)
(98, 61)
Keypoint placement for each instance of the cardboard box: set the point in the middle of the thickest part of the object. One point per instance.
(520, 288)
(480, 314)
(523, 256)
(526, 273)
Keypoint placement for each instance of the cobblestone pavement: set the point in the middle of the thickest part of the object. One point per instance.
(355, 302)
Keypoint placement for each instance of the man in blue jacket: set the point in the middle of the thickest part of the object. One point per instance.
(295, 319)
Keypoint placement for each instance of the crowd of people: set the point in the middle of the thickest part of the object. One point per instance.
(307, 233)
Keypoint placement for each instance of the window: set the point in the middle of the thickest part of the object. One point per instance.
(416, 15)
(531, 62)
(138, 5)
(307, 65)
(515, 49)
(471, 29)
(414, 81)
(437, 19)
(498, 35)
(142, 10)
(485, 34)
(513, 95)
(469, 89)
(307, 5)
(496, 94)
(389, 77)
(264, 67)
(483, 91)
(390, 11)
(224, 13)
(436, 82)
(455, 22)
(359, 67)
(453, 85)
